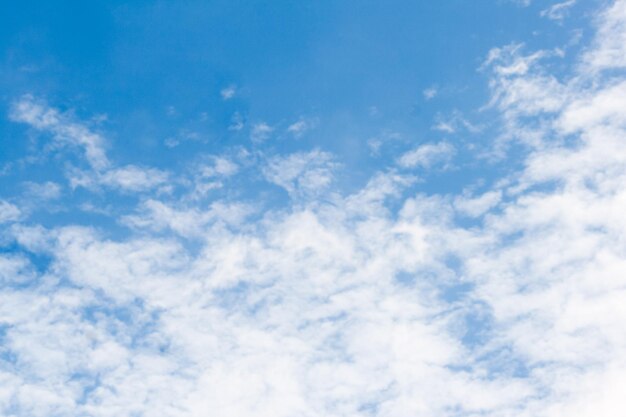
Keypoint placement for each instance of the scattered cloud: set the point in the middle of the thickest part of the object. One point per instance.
(228, 92)
(210, 175)
(65, 131)
(303, 125)
(476, 206)
(608, 51)
(184, 135)
(261, 132)
(455, 123)
(219, 167)
(236, 122)
(430, 93)
(301, 173)
(9, 212)
(425, 156)
(381, 300)
(134, 178)
(184, 221)
(43, 191)
(558, 11)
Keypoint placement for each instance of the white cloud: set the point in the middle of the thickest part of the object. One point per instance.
(128, 178)
(476, 206)
(596, 110)
(185, 221)
(302, 172)
(444, 126)
(454, 123)
(211, 175)
(64, 130)
(228, 92)
(425, 156)
(609, 48)
(9, 212)
(219, 167)
(67, 131)
(558, 11)
(43, 191)
(134, 178)
(261, 132)
(430, 93)
(236, 122)
(356, 305)
(301, 126)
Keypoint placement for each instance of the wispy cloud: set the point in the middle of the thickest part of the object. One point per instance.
(260, 132)
(9, 212)
(301, 173)
(380, 300)
(228, 92)
(301, 126)
(43, 191)
(236, 122)
(558, 11)
(65, 131)
(427, 155)
(430, 93)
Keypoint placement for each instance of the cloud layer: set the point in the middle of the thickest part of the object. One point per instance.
(380, 301)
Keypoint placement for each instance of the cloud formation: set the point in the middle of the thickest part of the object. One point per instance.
(379, 301)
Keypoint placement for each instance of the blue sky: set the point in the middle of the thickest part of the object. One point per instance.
(354, 77)
(279, 208)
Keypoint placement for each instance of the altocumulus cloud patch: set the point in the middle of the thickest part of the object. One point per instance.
(267, 277)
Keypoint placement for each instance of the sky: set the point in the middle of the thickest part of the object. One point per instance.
(313, 209)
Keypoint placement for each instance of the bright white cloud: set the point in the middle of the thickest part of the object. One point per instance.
(609, 49)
